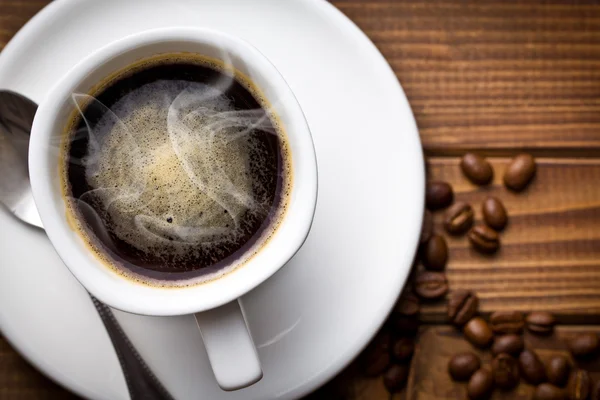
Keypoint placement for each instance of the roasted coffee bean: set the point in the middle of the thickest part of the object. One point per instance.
(595, 395)
(477, 169)
(506, 371)
(580, 385)
(463, 365)
(462, 306)
(434, 253)
(540, 322)
(438, 195)
(408, 304)
(478, 332)
(404, 326)
(503, 322)
(484, 239)
(480, 385)
(584, 345)
(459, 218)
(510, 344)
(519, 172)
(546, 391)
(403, 349)
(427, 227)
(532, 369)
(376, 357)
(431, 285)
(558, 370)
(494, 213)
(395, 377)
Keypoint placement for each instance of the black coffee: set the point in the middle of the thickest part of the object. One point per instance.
(176, 169)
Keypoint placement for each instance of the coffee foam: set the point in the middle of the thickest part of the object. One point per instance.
(169, 162)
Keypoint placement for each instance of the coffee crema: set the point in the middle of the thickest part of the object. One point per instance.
(175, 170)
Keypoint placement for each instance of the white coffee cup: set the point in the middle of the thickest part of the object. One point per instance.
(230, 348)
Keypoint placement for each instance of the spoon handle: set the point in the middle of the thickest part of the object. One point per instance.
(141, 382)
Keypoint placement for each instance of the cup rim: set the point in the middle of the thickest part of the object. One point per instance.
(123, 293)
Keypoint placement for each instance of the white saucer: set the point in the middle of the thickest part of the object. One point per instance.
(319, 311)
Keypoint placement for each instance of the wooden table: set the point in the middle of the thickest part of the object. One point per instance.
(497, 77)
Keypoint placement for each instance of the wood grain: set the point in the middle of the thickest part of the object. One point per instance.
(498, 77)
(494, 76)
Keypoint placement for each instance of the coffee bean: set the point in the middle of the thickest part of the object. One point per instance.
(463, 365)
(459, 218)
(494, 213)
(438, 195)
(395, 378)
(478, 332)
(480, 385)
(503, 322)
(558, 369)
(431, 285)
(546, 391)
(506, 371)
(583, 345)
(427, 227)
(404, 326)
(579, 386)
(540, 322)
(403, 349)
(532, 368)
(477, 169)
(510, 344)
(484, 239)
(434, 253)
(376, 357)
(408, 304)
(462, 306)
(595, 395)
(519, 172)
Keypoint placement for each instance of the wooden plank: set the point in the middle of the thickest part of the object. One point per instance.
(550, 254)
(429, 378)
(494, 76)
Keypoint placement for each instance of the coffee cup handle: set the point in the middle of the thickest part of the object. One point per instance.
(230, 348)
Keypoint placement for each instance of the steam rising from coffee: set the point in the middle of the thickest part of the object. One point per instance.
(170, 169)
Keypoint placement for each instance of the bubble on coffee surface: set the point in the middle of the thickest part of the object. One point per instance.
(168, 165)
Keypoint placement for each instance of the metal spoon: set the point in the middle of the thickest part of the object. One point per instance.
(16, 118)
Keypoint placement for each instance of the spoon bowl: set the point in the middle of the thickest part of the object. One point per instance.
(16, 118)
